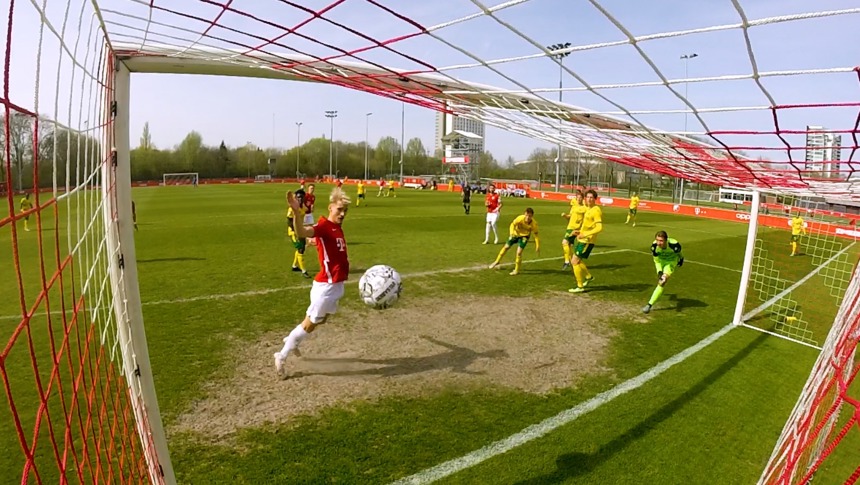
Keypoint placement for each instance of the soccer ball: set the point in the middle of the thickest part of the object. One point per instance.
(380, 286)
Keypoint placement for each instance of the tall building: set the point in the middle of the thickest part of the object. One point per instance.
(446, 123)
(823, 152)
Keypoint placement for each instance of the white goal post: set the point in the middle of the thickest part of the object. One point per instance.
(181, 178)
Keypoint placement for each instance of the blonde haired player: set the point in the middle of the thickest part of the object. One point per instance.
(328, 284)
(494, 207)
(634, 207)
(798, 228)
(522, 228)
(576, 216)
(586, 236)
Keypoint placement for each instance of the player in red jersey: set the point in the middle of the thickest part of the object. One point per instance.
(309, 201)
(328, 284)
(494, 205)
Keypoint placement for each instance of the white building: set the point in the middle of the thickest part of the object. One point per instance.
(446, 123)
(823, 151)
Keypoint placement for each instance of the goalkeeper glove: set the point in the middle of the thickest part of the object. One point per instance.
(681, 262)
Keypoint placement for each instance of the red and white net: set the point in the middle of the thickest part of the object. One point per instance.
(740, 120)
(828, 410)
(70, 409)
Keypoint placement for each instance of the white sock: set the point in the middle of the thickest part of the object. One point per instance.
(495, 234)
(293, 340)
(487, 232)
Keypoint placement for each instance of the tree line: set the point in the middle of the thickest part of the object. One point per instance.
(64, 155)
(310, 159)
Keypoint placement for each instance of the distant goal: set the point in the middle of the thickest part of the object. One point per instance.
(183, 178)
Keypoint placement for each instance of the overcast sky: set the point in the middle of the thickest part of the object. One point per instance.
(265, 112)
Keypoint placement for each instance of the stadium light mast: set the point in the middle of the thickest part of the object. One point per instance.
(366, 133)
(298, 145)
(686, 58)
(331, 114)
(554, 53)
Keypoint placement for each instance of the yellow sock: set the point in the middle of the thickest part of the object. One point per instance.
(300, 258)
(566, 248)
(585, 273)
(518, 261)
(793, 244)
(628, 219)
(27, 225)
(501, 254)
(577, 272)
(295, 259)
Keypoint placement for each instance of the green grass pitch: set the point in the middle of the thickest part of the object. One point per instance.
(214, 272)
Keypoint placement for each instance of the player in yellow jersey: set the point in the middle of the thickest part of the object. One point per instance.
(361, 191)
(586, 236)
(522, 228)
(25, 205)
(634, 206)
(798, 228)
(391, 189)
(299, 243)
(576, 215)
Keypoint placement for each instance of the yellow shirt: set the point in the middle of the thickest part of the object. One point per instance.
(26, 204)
(634, 202)
(360, 188)
(797, 226)
(577, 214)
(521, 228)
(592, 224)
(290, 215)
(390, 184)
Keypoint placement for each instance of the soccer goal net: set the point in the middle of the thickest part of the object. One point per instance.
(80, 402)
(186, 178)
(801, 284)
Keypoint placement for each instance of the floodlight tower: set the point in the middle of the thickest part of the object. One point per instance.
(557, 51)
(686, 58)
(331, 114)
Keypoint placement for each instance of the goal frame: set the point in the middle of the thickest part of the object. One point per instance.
(127, 303)
(195, 177)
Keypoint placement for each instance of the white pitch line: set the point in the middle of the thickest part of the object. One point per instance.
(551, 424)
(267, 291)
(548, 425)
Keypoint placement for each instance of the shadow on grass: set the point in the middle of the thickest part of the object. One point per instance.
(575, 464)
(170, 260)
(682, 303)
(457, 359)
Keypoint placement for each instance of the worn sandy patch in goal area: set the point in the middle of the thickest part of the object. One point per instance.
(532, 344)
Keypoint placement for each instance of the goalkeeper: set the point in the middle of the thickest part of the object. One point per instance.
(667, 256)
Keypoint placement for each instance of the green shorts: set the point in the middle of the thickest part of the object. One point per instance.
(633, 212)
(360, 196)
(583, 250)
(795, 238)
(300, 244)
(521, 240)
(665, 268)
(569, 236)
